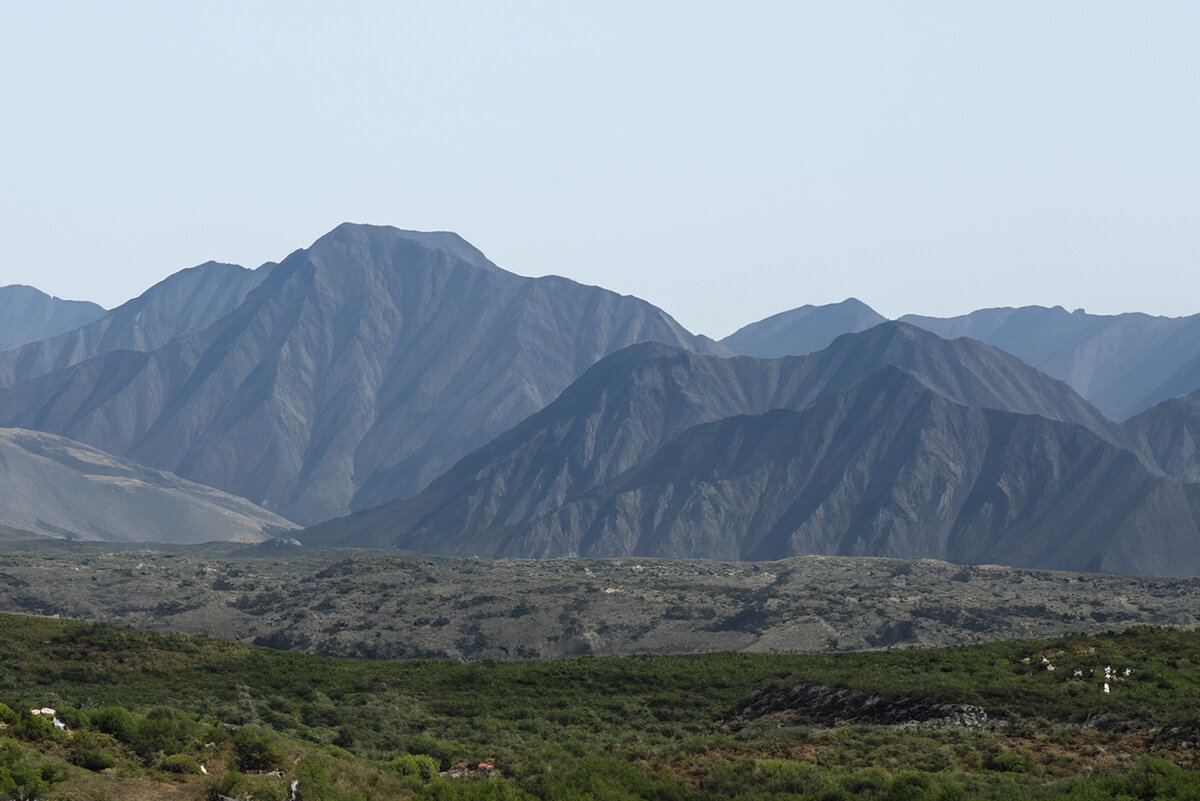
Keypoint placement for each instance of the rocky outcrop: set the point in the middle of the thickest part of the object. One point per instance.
(815, 705)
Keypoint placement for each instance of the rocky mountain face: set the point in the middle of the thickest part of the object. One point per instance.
(187, 301)
(891, 442)
(1123, 364)
(1170, 434)
(460, 409)
(801, 331)
(28, 315)
(354, 372)
(888, 468)
(59, 488)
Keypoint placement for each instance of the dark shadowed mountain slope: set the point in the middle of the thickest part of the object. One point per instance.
(887, 467)
(1123, 364)
(60, 488)
(1170, 434)
(631, 404)
(801, 331)
(185, 302)
(357, 371)
(28, 314)
(963, 370)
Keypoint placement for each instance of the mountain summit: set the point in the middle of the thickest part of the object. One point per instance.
(356, 371)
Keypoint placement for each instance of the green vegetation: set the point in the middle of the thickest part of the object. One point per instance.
(146, 712)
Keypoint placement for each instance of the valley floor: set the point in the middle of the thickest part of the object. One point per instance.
(379, 604)
(143, 713)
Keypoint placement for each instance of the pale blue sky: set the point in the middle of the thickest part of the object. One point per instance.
(724, 161)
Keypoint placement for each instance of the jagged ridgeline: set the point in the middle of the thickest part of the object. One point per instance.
(1123, 363)
(352, 372)
(96, 711)
(430, 401)
(891, 442)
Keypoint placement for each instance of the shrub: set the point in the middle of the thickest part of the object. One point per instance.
(91, 751)
(164, 730)
(74, 718)
(910, 785)
(179, 763)
(423, 767)
(34, 728)
(23, 777)
(114, 720)
(255, 749)
(1009, 762)
(1152, 779)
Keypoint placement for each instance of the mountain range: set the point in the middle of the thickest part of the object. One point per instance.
(892, 442)
(423, 398)
(1123, 363)
(186, 302)
(348, 374)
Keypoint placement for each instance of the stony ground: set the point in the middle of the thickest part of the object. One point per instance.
(379, 604)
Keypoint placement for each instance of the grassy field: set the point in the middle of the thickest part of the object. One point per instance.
(146, 711)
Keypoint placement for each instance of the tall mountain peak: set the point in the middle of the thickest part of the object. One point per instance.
(355, 372)
(360, 239)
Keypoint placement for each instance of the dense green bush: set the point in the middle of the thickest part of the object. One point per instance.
(179, 763)
(665, 728)
(116, 721)
(1156, 780)
(22, 776)
(256, 749)
(92, 751)
(162, 731)
(420, 766)
(34, 728)
(74, 718)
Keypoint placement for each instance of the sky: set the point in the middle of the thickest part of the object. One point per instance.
(723, 161)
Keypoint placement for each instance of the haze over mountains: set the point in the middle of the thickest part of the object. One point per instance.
(801, 331)
(183, 303)
(353, 373)
(28, 314)
(461, 409)
(59, 488)
(1124, 363)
